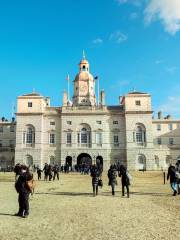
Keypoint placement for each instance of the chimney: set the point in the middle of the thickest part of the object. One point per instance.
(159, 115)
(102, 100)
(65, 99)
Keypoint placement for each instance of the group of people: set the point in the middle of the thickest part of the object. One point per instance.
(174, 177)
(113, 172)
(50, 172)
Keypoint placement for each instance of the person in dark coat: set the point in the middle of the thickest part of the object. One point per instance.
(95, 174)
(124, 179)
(46, 171)
(50, 172)
(23, 191)
(178, 176)
(172, 176)
(112, 175)
(17, 170)
(56, 172)
(39, 173)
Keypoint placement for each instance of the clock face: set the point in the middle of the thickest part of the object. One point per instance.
(83, 88)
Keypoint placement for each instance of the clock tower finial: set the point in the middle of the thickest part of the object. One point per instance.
(84, 55)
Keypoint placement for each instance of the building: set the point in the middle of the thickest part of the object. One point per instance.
(7, 143)
(88, 130)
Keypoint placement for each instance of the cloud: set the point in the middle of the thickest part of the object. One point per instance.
(171, 106)
(121, 83)
(97, 41)
(172, 69)
(157, 62)
(136, 3)
(118, 37)
(166, 11)
(133, 15)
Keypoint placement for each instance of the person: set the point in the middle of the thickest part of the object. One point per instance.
(17, 170)
(39, 173)
(50, 174)
(95, 174)
(23, 191)
(178, 176)
(112, 175)
(124, 180)
(46, 171)
(172, 176)
(56, 171)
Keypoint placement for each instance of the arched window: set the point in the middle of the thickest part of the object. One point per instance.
(29, 135)
(84, 136)
(29, 160)
(140, 134)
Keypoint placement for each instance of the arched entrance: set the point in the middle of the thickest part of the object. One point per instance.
(69, 161)
(29, 160)
(99, 161)
(141, 162)
(84, 158)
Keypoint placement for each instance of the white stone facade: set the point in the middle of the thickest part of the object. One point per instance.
(84, 129)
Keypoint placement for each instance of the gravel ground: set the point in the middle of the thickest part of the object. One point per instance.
(66, 209)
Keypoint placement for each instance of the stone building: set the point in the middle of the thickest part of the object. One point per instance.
(7, 143)
(87, 130)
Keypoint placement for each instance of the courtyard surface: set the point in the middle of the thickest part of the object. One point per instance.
(66, 209)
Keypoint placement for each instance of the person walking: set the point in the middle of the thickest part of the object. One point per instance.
(95, 174)
(23, 191)
(172, 176)
(56, 171)
(46, 171)
(112, 175)
(178, 176)
(125, 181)
(39, 173)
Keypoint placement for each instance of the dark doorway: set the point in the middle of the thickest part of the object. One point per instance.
(69, 161)
(84, 158)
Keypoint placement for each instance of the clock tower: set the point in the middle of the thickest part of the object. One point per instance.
(84, 86)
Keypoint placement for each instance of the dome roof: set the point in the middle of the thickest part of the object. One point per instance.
(84, 76)
(83, 61)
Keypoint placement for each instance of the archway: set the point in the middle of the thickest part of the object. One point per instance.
(141, 162)
(2, 162)
(84, 158)
(29, 160)
(52, 160)
(69, 161)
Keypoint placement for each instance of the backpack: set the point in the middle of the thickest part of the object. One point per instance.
(30, 185)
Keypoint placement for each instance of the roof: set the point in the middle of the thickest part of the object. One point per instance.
(32, 94)
(136, 93)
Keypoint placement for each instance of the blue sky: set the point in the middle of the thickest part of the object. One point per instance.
(130, 44)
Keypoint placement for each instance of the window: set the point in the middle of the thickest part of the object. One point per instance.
(99, 138)
(52, 138)
(69, 122)
(170, 126)
(29, 104)
(29, 136)
(0, 143)
(98, 122)
(138, 103)
(115, 122)
(140, 134)
(159, 127)
(159, 142)
(52, 123)
(116, 140)
(11, 143)
(171, 141)
(69, 138)
(11, 128)
(84, 135)
(1, 129)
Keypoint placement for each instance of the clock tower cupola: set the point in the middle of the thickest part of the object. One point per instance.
(84, 86)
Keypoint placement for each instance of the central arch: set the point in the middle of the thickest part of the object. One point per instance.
(141, 162)
(84, 158)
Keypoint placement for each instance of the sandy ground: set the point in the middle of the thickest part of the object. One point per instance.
(67, 210)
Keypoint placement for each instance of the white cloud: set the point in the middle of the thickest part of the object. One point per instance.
(171, 106)
(167, 11)
(118, 37)
(136, 3)
(134, 15)
(121, 1)
(97, 41)
(157, 62)
(172, 69)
